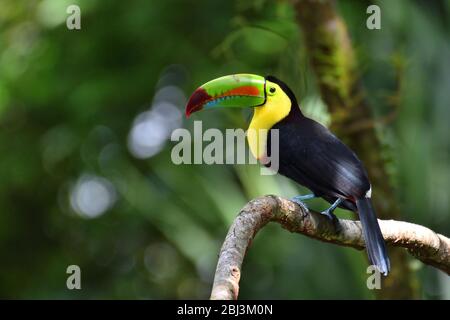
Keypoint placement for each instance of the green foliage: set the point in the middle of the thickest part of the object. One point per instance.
(69, 101)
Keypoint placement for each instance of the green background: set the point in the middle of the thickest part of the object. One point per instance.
(86, 176)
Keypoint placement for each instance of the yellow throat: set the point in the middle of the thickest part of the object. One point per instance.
(275, 109)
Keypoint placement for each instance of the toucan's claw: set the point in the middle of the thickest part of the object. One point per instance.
(329, 213)
(300, 202)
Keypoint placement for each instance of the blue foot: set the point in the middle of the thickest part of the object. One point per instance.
(329, 213)
(299, 200)
(300, 203)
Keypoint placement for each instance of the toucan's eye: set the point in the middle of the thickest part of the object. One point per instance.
(272, 90)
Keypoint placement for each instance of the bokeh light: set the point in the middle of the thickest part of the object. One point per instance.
(92, 196)
(151, 129)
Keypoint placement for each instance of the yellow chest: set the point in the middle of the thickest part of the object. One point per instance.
(264, 118)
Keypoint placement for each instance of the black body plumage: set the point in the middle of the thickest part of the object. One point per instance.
(315, 158)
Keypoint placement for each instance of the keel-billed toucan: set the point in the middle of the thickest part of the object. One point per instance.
(308, 152)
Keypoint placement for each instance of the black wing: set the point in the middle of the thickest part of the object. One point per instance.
(312, 156)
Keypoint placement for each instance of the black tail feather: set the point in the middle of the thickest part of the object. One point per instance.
(375, 245)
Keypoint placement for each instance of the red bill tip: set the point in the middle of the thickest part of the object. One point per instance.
(196, 101)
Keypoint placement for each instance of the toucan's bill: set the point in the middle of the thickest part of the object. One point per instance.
(270, 104)
(238, 90)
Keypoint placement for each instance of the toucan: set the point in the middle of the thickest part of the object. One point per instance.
(309, 153)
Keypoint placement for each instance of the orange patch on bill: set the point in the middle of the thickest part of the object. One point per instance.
(243, 91)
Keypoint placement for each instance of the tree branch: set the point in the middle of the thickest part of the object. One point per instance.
(424, 244)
